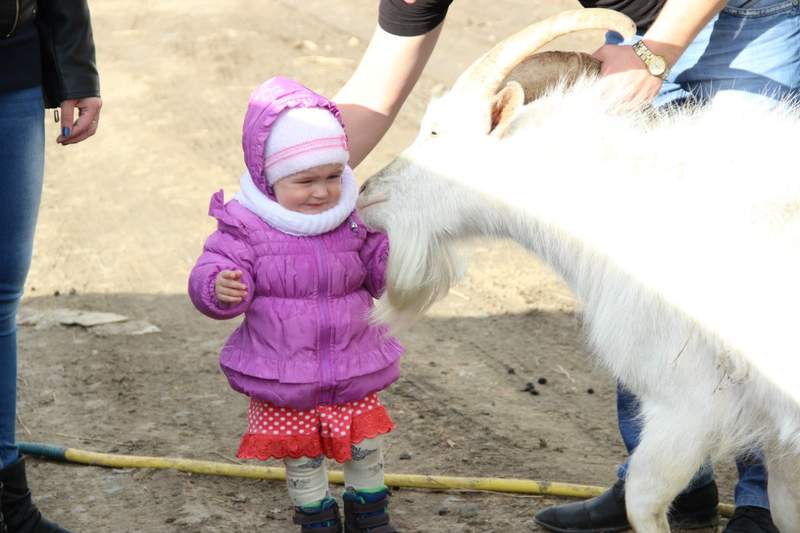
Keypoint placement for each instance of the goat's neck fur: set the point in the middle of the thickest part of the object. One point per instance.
(694, 224)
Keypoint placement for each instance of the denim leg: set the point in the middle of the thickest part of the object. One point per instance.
(630, 429)
(752, 486)
(21, 171)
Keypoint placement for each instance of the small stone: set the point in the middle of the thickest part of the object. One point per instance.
(353, 41)
(73, 292)
(542, 381)
(468, 510)
(56, 293)
(511, 370)
(442, 511)
(529, 386)
(113, 489)
(534, 392)
(542, 443)
(307, 45)
(405, 456)
(169, 520)
(590, 390)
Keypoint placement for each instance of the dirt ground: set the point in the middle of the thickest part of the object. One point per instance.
(123, 218)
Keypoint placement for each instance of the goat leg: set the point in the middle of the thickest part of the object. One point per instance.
(784, 490)
(672, 448)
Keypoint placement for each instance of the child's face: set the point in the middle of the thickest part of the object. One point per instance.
(311, 191)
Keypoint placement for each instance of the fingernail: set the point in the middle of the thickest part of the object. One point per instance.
(65, 132)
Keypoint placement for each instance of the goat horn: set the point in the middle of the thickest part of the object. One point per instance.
(486, 74)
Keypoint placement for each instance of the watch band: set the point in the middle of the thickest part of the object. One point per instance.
(656, 65)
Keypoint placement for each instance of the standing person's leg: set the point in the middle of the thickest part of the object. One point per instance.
(751, 499)
(366, 498)
(752, 480)
(307, 481)
(21, 170)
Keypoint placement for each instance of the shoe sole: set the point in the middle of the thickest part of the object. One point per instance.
(561, 530)
(686, 522)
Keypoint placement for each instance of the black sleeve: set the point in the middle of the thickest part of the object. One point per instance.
(407, 20)
(68, 68)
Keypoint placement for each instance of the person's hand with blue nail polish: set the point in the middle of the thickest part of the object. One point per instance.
(75, 131)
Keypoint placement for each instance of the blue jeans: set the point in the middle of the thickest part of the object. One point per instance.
(21, 171)
(752, 47)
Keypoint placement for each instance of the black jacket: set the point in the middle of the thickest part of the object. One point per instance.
(67, 47)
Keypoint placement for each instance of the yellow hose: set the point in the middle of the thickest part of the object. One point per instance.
(520, 486)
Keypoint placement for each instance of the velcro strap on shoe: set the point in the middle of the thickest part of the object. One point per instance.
(372, 521)
(370, 507)
(302, 519)
(383, 529)
(316, 529)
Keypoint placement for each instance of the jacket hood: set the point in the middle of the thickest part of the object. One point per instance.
(266, 104)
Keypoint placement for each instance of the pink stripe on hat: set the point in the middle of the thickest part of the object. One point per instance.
(303, 138)
(316, 144)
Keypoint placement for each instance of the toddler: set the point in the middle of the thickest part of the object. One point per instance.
(291, 254)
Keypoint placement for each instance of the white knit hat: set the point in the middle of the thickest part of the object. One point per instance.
(302, 138)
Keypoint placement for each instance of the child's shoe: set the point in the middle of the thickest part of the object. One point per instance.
(322, 518)
(366, 512)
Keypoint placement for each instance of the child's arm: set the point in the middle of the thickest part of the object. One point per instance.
(375, 255)
(221, 252)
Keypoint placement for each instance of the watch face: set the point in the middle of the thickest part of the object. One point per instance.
(657, 65)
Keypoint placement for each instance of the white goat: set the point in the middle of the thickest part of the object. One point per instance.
(679, 234)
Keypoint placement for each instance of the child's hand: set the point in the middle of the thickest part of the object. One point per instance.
(228, 289)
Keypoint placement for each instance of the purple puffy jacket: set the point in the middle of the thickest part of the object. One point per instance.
(306, 338)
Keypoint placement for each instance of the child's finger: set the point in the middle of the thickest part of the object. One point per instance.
(230, 292)
(232, 274)
(233, 284)
(229, 299)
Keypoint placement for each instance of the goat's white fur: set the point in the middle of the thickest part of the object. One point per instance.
(679, 236)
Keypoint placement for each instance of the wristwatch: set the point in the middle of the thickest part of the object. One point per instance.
(656, 64)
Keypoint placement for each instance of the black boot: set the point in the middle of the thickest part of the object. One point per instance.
(18, 510)
(751, 520)
(366, 512)
(606, 513)
(322, 519)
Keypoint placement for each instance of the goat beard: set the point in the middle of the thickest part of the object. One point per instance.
(421, 271)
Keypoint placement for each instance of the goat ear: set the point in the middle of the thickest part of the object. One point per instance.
(503, 107)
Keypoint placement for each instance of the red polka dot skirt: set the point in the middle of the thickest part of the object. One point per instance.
(330, 430)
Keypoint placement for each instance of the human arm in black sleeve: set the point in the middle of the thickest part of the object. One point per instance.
(388, 70)
(69, 73)
(404, 19)
(69, 70)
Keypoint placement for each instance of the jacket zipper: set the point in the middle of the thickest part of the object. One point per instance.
(325, 334)
(16, 20)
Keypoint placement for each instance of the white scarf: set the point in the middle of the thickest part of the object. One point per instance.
(293, 222)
